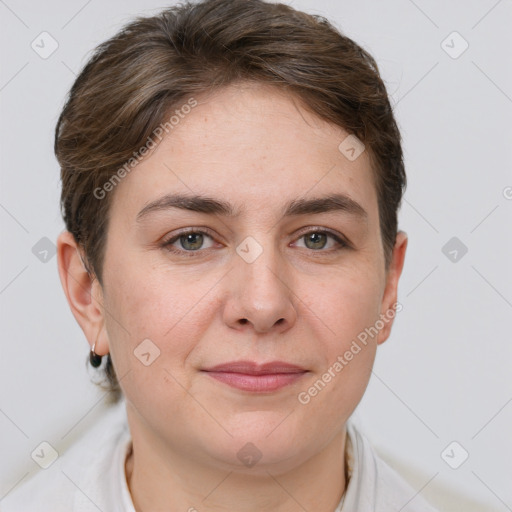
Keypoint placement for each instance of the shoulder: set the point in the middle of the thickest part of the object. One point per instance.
(67, 484)
(376, 484)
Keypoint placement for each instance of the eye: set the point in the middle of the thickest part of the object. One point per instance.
(192, 241)
(189, 241)
(317, 240)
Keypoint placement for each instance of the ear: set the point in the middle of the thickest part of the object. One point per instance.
(389, 306)
(83, 292)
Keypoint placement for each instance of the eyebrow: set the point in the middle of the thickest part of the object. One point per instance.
(209, 205)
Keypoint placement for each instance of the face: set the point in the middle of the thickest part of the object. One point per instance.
(276, 280)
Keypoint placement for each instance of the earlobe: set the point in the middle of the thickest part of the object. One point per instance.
(390, 306)
(82, 291)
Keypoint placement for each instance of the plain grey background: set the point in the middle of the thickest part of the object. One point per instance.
(444, 374)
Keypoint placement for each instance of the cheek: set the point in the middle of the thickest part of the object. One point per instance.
(345, 306)
(169, 309)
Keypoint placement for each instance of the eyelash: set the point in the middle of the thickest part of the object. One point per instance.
(167, 244)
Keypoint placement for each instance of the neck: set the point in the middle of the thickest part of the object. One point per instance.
(179, 484)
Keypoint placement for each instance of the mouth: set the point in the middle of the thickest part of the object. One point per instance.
(254, 377)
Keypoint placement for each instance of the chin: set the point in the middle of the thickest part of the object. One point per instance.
(259, 442)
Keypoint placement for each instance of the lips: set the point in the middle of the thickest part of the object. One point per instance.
(254, 377)
(252, 368)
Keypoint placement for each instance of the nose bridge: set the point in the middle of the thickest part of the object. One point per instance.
(259, 292)
(259, 265)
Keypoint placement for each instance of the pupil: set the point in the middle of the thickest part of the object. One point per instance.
(190, 238)
(313, 235)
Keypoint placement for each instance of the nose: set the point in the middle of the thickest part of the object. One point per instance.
(259, 294)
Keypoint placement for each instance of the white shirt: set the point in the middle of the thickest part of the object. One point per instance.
(90, 476)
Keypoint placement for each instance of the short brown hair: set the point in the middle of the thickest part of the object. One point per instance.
(134, 79)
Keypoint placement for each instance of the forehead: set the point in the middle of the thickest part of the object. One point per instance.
(253, 145)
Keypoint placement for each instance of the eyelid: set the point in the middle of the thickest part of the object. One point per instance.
(321, 229)
(185, 231)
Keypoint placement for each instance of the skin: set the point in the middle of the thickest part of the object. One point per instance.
(301, 302)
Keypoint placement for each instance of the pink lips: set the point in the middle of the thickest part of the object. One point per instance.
(250, 376)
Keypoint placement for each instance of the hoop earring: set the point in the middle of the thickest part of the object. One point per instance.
(94, 359)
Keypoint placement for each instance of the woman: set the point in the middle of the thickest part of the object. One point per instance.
(231, 175)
